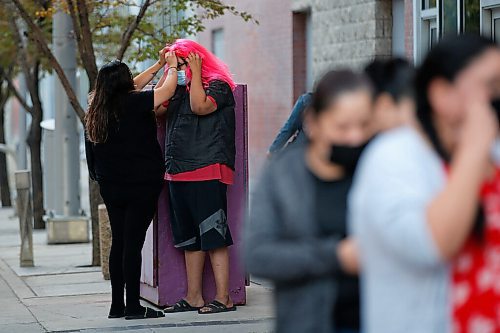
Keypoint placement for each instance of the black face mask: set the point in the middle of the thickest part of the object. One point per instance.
(347, 156)
(496, 106)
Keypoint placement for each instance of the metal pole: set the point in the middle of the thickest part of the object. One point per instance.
(21, 158)
(66, 137)
(24, 209)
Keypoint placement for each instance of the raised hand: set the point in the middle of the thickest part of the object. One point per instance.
(171, 59)
(194, 60)
(161, 56)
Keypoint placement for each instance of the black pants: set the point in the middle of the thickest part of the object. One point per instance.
(131, 209)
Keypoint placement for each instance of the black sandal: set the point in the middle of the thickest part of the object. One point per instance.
(181, 306)
(216, 307)
(148, 313)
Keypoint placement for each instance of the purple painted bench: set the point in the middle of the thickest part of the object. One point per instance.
(163, 280)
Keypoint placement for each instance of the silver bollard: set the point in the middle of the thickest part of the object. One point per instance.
(24, 210)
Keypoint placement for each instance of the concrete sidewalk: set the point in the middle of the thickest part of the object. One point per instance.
(62, 293)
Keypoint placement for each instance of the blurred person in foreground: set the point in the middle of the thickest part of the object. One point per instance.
(124, 156)
(393, 98)
(296, 233)
(416, 193)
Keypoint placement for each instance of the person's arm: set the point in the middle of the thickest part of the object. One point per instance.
(141, 80)
(161, 109)
(167, 89)
(291, 125)
(200, 103)
(451, 214)
(269, 254)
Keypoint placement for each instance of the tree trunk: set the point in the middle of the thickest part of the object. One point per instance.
(37, 34)
(34, 142)
(95, 201)
(4, 175)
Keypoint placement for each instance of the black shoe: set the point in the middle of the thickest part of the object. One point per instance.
(116, 313)
(144, 313)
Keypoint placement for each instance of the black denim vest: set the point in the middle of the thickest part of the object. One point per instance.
(193, 141)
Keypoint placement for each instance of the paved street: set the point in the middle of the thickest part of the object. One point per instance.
(62, 293)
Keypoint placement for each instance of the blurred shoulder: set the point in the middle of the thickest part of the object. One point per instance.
(402, 142)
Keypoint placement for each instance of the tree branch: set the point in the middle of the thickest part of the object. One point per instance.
(88, 45)
(23, 58)
(82, 38)
(127, 35)
(30, 70)
(5, 93)
(14, 90)
(44, 48)
(152, 35)
(76, 26)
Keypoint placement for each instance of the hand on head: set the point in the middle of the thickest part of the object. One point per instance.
(171, 59)
(161, 56)
(194, 61)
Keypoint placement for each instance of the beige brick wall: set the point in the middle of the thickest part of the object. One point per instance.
(347, 33)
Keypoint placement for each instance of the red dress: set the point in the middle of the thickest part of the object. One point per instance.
(476, 271)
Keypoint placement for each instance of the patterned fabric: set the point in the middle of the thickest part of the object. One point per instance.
(476, 271)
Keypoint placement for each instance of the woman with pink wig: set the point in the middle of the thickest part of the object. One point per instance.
(200, 156)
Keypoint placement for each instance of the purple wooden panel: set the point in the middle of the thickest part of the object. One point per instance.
(147, 273)
(169, 262)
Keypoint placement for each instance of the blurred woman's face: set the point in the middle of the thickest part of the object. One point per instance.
(479, 82)
(346, 122)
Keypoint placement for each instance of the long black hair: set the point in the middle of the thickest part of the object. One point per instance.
(113, 82)
(446, 60)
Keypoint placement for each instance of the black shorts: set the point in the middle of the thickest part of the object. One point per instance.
(199, 215)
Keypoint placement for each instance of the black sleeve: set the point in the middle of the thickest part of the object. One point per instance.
(220, 93)
(140, 101)
(89, 153)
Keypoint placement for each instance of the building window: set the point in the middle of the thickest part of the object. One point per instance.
(427, 29)
(301, 53)
(398, 28)
(490, 19)
(449, 16)
(471, 16)
(438, 18)
(428, 4)
(218, 43)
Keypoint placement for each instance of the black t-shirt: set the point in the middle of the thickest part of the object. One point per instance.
(331, 210)
(131, 153)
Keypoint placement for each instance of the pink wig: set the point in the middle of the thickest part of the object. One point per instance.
(212, 68)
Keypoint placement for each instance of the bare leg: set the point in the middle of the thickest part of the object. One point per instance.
(195, 262)
(220, 267)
